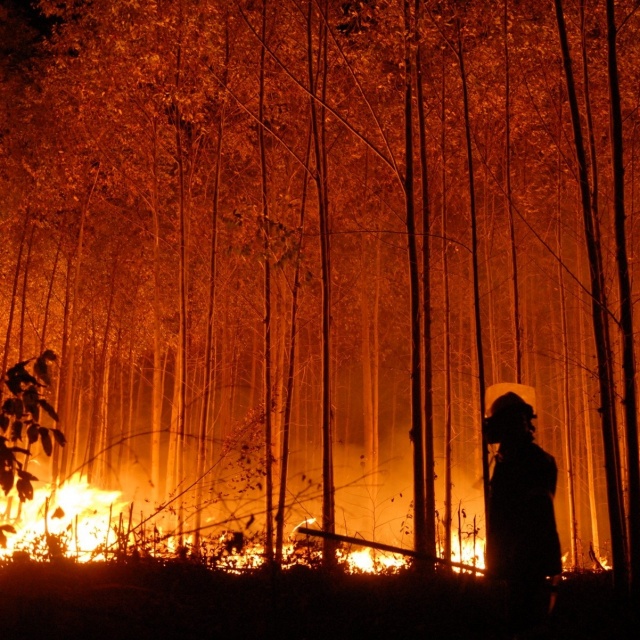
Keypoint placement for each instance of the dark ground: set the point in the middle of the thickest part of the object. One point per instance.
(144, 599)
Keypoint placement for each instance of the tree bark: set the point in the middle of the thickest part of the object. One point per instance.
(600, 323)
(629, 399)
(517, 334)
(430, 491)
(181, 373)
(267, 372)
(291, 364)
(207, 393)
(318, 121)
(476, 276)
(421, 542)
(447, 326)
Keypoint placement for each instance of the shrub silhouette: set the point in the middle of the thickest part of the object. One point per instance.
(20, 423)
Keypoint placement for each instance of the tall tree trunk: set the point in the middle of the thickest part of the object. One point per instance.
(509, 199)
(267, 372)
(60, 456)
(69, 364)
(181, 380)
(600, 323)
(318, 122)
(370, 431)
(430, 491)
(447, 325)
(476, 275)
(47, 304)
(291, 364)
(591, 484)
(566, 405)
(629, 399)
(94, 441)
(156, 381)
(421, 542)
(207, 393)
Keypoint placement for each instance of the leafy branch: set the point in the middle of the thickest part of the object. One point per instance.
(20, 420)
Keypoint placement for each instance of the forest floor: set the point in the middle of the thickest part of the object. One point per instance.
(145, 599)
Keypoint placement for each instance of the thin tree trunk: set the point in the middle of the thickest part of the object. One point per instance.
(629, 399)
(370, 444)
(430, 472)
(94, 440)
(591, 484)
(66, 400)
(267, 372)
(476, 278)
(447, 327)
(182, 378)
(104, 451)
(60, 456)
(290, 379)
(47, 304)
(566, 406)
(25, 285)
(421, 542)
(370, 439)
(599, 311)
(156, 382)
(318, 121)
(375, 356)
(517, 337)
(207, 394)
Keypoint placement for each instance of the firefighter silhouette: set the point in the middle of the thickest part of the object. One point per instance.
(523, 547)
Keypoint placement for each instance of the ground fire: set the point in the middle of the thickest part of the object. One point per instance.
(272, 262)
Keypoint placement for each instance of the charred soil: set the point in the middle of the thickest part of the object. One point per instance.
(145, 599)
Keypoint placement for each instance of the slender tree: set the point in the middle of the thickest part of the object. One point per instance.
(509, 198)
(207, 392)
(448, 427)
(629, 400)
(600, 324)
(427, 358)
(318, 127)
(459, 49)
(267, 365)
(291, 366)
(417, 428)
